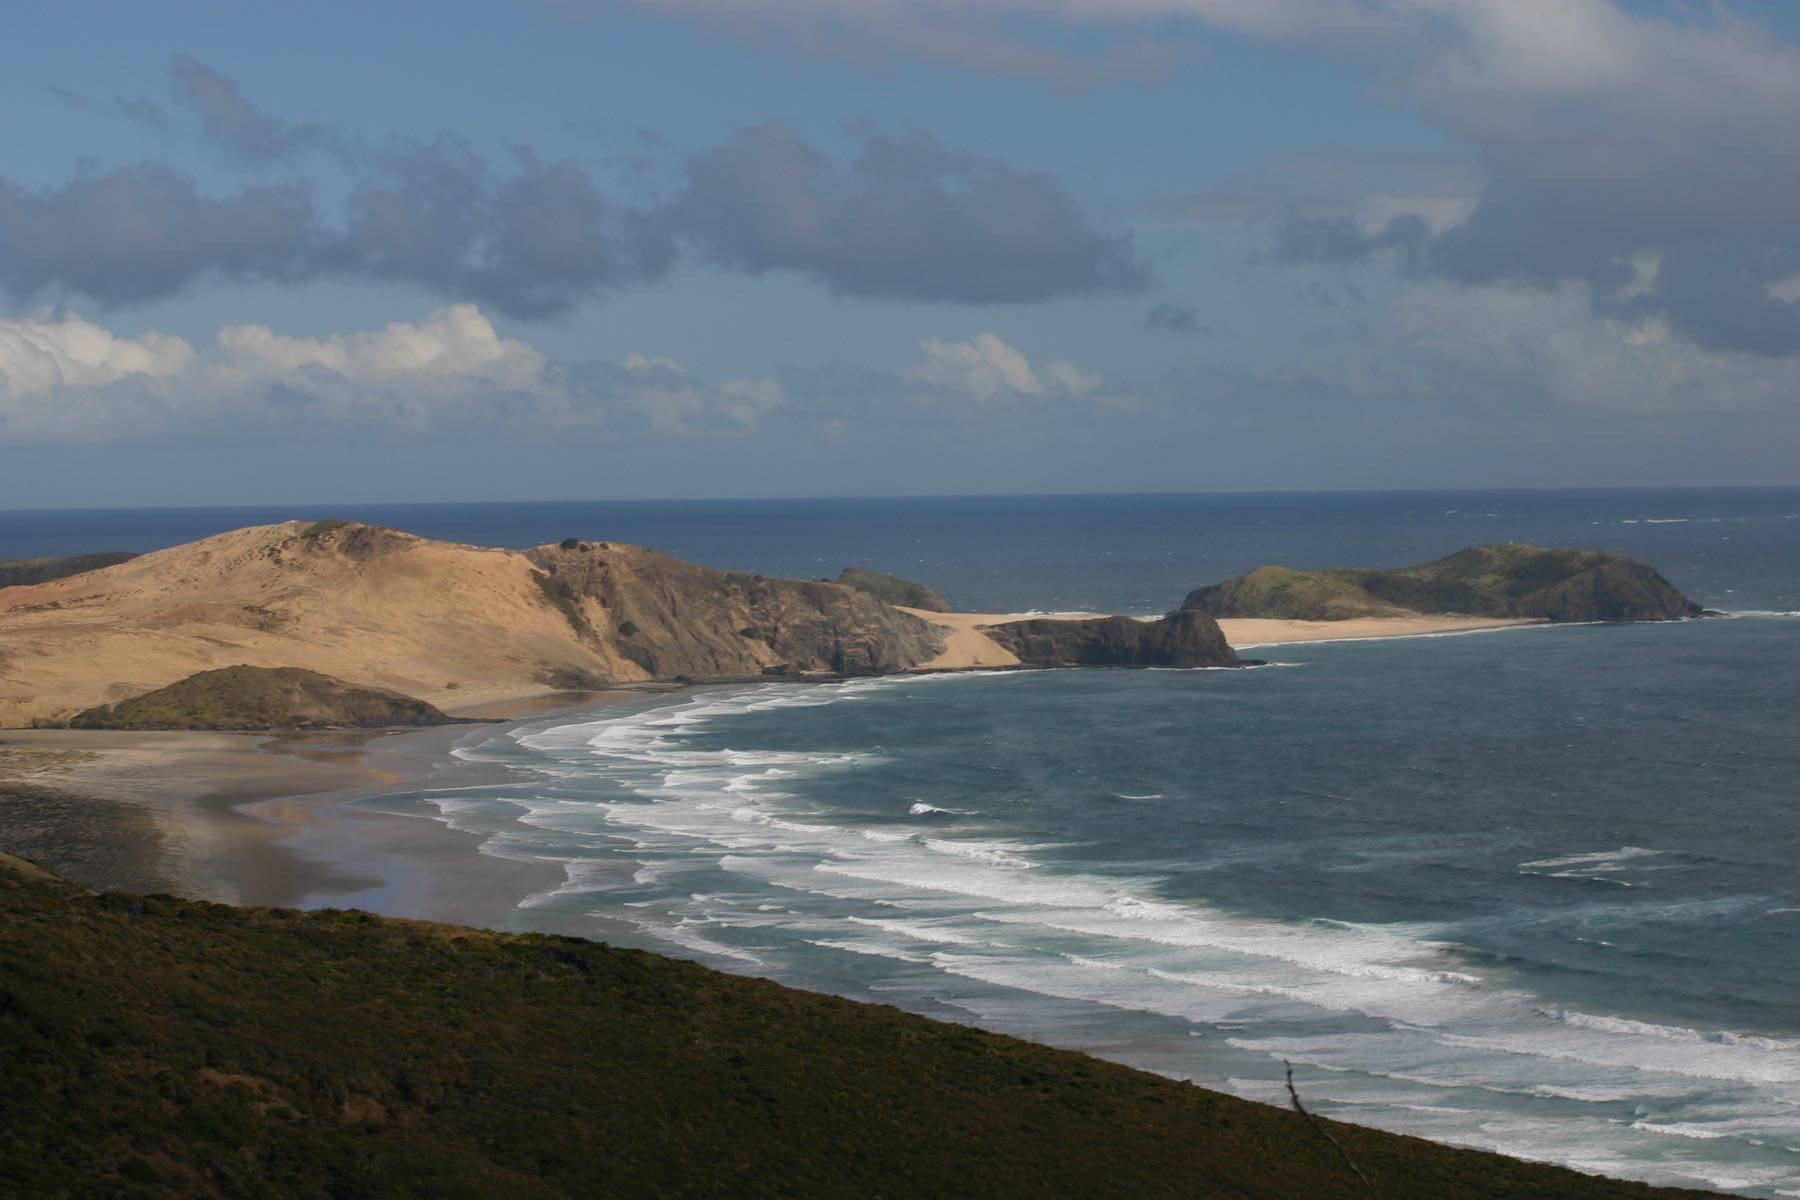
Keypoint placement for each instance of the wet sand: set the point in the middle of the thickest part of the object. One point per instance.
(258, 818)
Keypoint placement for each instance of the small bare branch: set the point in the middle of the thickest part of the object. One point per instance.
(1294, 1095)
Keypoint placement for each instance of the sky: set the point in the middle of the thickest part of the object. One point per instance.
(598, 249)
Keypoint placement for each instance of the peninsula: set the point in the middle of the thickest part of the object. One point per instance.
(346, 624)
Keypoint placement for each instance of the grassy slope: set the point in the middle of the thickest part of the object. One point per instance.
(893, 589)
(157, 1047)
(1484, 580)
(260, 698)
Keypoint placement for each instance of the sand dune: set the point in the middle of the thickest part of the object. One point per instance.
(457, 626)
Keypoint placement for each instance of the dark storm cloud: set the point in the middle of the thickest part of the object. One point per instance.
(232, 121)
(1180, 320)
(532, 244)
(1652, 162)
(144, 233)
(904, 217)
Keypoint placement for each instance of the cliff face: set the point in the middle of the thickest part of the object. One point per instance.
(1510, 580)
(670, 617)
(261, 698)
(1181, 639)
(449, 624)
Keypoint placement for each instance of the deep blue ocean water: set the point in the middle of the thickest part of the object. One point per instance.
(1532, 890)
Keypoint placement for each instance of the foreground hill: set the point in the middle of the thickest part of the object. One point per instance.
(448, 624)
(1510, 580)
(166, 1048)
(259, 698)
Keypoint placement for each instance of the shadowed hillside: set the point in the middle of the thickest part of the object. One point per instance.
(261, 698)
(17, 571)
(165, 1048)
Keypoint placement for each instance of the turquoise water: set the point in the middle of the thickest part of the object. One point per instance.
(1531, 890)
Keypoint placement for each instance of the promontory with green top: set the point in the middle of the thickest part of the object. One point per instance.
(1511, 580)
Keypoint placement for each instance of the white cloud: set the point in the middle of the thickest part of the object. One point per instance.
(987, 368)
(1551, 351)
(456, 342)
(67, 379)
(42, 354)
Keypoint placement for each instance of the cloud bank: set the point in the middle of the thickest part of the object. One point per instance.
(896, 216)
(65, 379)
(1647, 154)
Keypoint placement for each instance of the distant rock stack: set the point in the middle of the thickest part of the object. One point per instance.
(1181, 639)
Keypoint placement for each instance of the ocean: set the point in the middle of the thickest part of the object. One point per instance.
(1532, 890)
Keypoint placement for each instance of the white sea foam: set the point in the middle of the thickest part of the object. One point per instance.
(1025, 936)
(1145, 796)
(1598, 858)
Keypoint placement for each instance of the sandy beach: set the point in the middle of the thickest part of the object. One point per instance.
(256, 818)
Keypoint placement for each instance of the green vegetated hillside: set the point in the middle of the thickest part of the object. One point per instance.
(261, 698)
(156, 1047)
(1508, 580)
(16, 571)
(893, 589)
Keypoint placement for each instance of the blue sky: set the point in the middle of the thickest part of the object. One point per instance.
(580, 249)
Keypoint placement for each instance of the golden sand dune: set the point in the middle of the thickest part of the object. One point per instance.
(451, 624)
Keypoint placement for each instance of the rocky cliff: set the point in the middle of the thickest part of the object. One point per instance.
(1181, 639)
(1510, 580)
(450, 624)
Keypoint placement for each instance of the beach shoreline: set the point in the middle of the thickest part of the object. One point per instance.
(265, 818)
(270, 818)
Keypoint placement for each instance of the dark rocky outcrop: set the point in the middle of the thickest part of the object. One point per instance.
(673, 618)
(17, 571)
(254, 698)
(893, 589)
(1509, 580)
(1181, 639)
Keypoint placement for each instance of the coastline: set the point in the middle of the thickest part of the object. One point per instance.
(264, 818)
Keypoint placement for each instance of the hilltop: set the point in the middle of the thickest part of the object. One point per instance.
(171, 1048)
(449, 624)
(452, 626)
(1511, 580)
